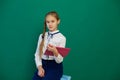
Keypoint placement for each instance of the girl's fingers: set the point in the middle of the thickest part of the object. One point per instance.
(50, 45)
(41, 73)
(49, 48)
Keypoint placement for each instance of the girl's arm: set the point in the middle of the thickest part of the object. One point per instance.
(57, 56)
(37, 58)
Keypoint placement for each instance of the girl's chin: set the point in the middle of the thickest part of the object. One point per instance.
(52, 29)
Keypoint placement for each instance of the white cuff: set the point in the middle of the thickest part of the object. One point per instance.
(58, 59)
(38, 64)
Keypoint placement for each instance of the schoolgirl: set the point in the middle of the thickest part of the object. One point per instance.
(49, 67)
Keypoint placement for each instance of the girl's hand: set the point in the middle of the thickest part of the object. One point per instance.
(53, 49)
(41, 71)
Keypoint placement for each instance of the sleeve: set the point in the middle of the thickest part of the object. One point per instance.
(59, 58)
(37, 58)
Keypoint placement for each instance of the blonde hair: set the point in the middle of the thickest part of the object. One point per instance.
(53, 13)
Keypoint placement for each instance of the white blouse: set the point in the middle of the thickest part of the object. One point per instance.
(57, 39)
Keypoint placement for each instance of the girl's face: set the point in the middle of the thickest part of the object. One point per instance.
(52, 23)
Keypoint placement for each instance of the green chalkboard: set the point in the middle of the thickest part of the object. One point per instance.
(92, 29)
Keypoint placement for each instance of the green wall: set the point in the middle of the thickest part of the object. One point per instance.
(92, 29)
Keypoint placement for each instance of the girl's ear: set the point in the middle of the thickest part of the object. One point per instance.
(59, 21)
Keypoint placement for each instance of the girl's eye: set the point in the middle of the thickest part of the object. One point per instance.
(47, 22)
(52, 21)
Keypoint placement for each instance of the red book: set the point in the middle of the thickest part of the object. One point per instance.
(63, 51)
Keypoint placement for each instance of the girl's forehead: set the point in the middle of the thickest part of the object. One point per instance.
(50, 17)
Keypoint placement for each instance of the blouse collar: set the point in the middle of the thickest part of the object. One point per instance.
(53, 32)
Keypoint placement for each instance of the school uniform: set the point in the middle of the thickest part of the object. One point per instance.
(51, 64)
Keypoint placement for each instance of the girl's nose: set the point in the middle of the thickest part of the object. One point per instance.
(50, 23)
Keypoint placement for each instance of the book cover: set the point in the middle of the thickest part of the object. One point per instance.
(63, 51)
